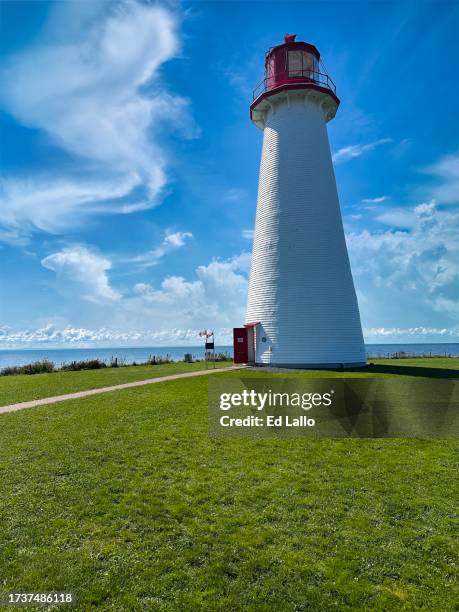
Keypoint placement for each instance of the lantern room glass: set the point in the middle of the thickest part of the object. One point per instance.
(271, 71)
(301, 64)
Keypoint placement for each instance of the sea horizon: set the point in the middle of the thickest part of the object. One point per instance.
(139, 354)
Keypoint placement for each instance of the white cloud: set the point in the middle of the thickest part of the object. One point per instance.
(248, 234)
(398, 218)
(446, 171)
(406, 218)
(407, 283)
(235, 194)
(354, 217)
(375, 200)
(396, 333)
(172, 313)
(81, 336)
(86, 268)
(50, 335)
(177, 239)
(216, 297)
(55, 205)
(352, 151)
(97, 95)
(13, 236)
(409, 278)
(425, 209)
(172, 241)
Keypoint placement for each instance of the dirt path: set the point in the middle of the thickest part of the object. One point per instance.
(136, 383)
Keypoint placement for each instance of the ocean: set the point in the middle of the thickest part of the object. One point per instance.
(17, 357)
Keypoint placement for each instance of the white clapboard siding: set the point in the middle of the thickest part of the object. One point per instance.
(301, 289)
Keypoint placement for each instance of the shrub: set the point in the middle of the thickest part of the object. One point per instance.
(218, 357)
(10, 371)
(88, 364)
(36, 367)
(156, 360)
(406, 355)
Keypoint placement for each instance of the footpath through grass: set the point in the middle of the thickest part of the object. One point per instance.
(124, 499)
(21, 388)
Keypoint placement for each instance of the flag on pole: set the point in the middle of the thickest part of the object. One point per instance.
(206, 333)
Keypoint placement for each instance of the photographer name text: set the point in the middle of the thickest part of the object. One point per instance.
(281, 420)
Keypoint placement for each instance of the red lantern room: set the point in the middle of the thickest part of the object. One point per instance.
(292, 65)
(292, 62)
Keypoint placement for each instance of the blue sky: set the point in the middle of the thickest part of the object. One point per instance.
(129, 165)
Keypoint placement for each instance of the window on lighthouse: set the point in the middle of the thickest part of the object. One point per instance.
(300, 64)
(308, 65)
(271, 72)
(295, 63)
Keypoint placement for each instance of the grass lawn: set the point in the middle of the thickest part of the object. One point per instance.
(26, 387)
(123, 499)
(29, 387)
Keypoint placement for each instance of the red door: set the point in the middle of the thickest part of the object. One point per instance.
(241, 347)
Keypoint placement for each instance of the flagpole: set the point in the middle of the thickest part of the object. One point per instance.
(213, 351)
(207, 345)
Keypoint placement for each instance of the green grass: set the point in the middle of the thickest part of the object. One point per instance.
(124, 499)
(430, 367)
(22, 388)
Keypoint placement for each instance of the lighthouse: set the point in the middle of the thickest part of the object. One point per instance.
(302, 308)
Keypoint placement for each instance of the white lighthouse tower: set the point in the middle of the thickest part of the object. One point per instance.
(302, 309)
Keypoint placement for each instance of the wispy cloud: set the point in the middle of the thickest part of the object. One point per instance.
(446, 172)
(375, 200)
(172, 241)
(396, 333)
(406, 218)
(236, 194)
(248, 234)
(350, 152)
(88, 94)
(54, 205)
(87, 269)
(400, 218)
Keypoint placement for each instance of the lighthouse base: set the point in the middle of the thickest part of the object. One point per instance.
(313, 366)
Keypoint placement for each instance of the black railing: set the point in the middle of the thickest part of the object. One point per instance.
(295, 76)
